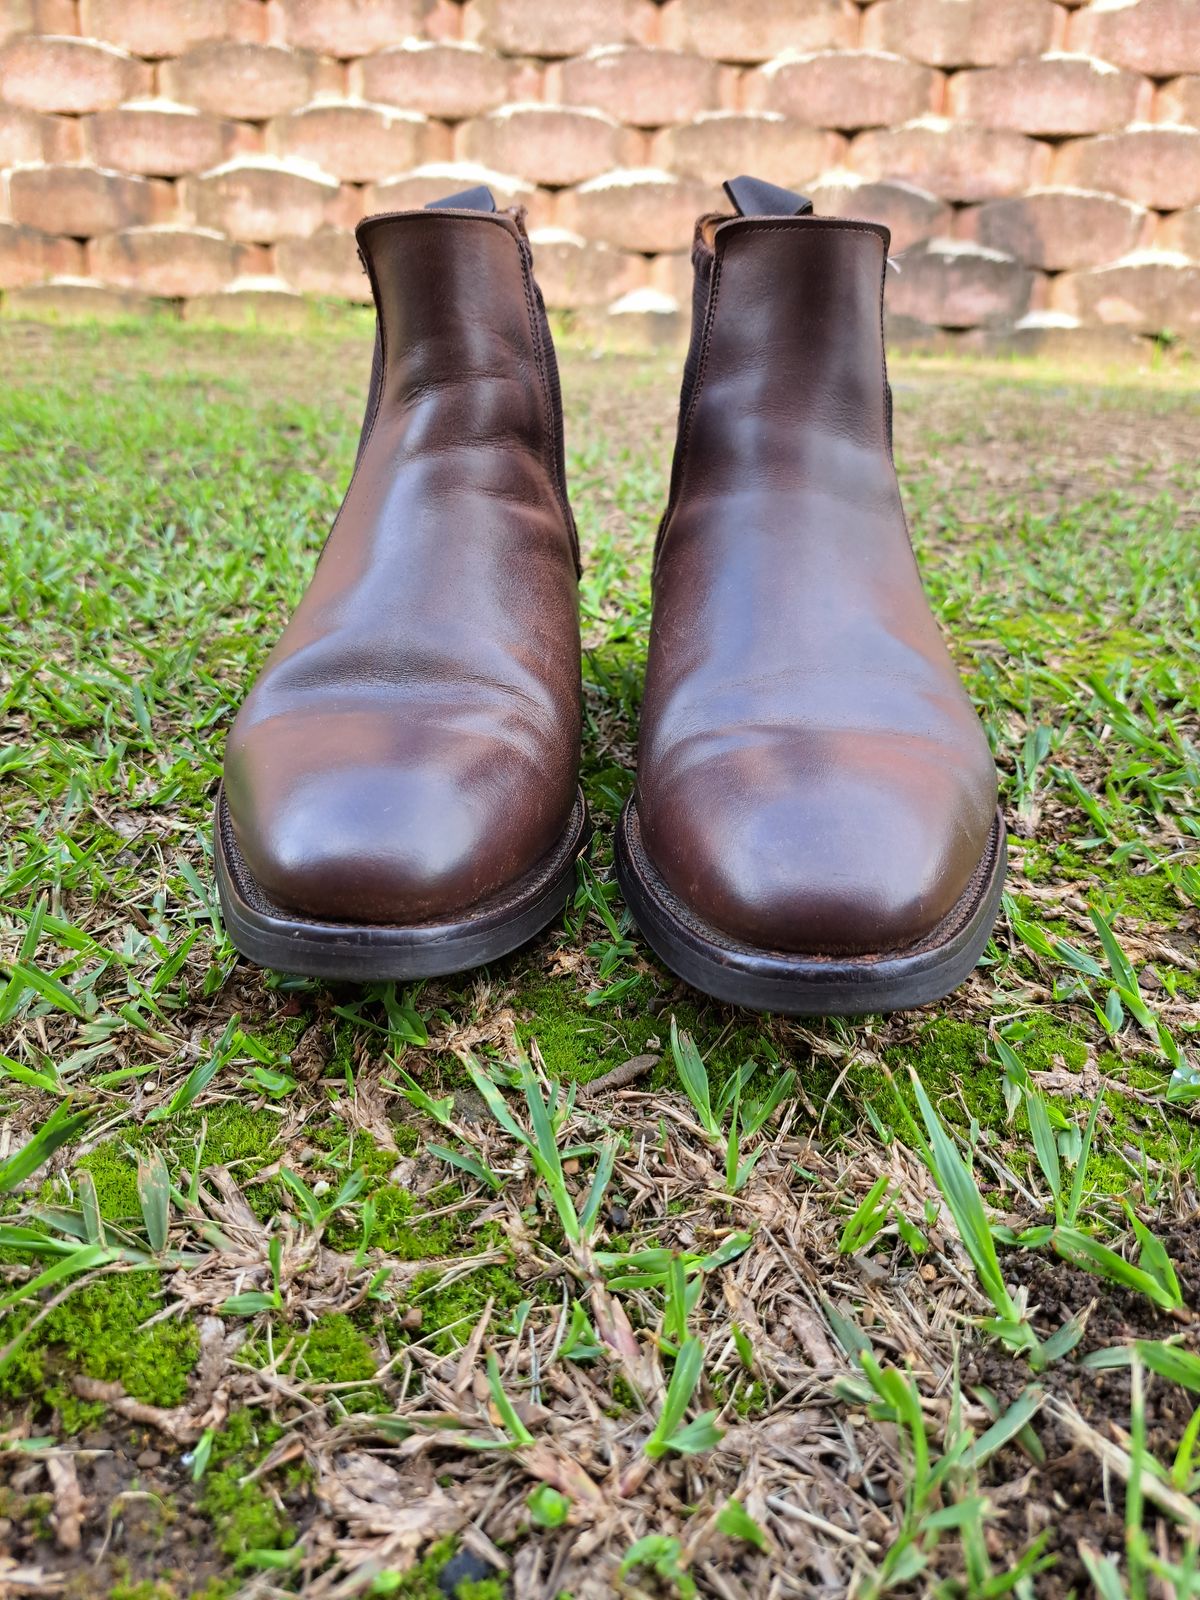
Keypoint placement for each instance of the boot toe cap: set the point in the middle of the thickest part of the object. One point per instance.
(397, 841)
(833, 863)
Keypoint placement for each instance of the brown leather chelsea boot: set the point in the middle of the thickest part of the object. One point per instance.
(401, 786)
(814, 828)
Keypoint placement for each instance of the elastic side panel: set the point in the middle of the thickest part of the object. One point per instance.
(702, 263)
(556, 409)
(372, 391)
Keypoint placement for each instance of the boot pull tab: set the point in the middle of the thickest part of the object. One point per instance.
(752, 197)
(480, 198)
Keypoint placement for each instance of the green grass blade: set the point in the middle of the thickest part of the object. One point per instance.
(599, 1186)
(61, 1127)
(467, 1163)
(81, 1259)
(513, 1425)
(961, 1193)
(1045, 1147)
(1005, 1429)
(199, 1078)
(495, 1103)
(1075, 1199)
(154, 1197)
(1153, 1258)
(1081, 1250)
(693, 1074)
(684, 1378)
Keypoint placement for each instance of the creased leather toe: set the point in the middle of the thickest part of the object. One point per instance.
(818, 847)
(813, 827)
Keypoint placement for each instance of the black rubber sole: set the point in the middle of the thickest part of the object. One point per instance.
(801, 985)
(271, 936)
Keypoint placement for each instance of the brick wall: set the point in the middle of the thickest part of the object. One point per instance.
(1037, 162)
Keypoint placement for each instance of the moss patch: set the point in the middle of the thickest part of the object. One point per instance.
(245, 1516)
(99, 1331)
(114, 1173)
(335, 1351)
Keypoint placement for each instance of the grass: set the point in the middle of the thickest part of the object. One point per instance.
(710, 1296)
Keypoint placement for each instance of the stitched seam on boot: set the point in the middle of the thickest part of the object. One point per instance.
(685, 430)
(369, 427)
(547, 398)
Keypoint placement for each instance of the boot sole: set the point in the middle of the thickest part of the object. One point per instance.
(287, 941)
(806, 985)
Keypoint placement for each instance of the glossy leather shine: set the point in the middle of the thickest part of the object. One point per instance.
(812, 777)
(412, 744)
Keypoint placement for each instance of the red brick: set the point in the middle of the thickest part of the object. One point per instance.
(50, 72)
(911, 214)
(63, 139)
(76, 300)
(358, 142)
(757, 30)
(955, 160)
(720, 143)
(25, 136)
(962, 33)
(173, 262)
(673, 274)
(260, 200)
(1058, 229)
(326, 264)
(83, 201)
(254, 81)
(1151, 291)
(158, 27)
(1057, 94)
(640, 209)
(646, 87)
(350, 27)
(576, 275)
(952, 285)
(1179, 101)
(1180, 232)
(444, 23)
(164, 140)
(37, 16)
(22, 136)
(846, 89)
(27, 255)
(346, 207)
(437, 179)
(534, 28)
(1157, 37)
(546, 144)
(1155, 166)
(442, 80)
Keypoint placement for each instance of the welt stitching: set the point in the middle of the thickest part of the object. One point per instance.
(256, 897)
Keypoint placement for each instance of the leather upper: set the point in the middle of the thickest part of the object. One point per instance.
(411, 746)
(812, 777)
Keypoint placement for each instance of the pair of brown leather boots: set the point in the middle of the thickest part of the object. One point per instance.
(814, 827)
